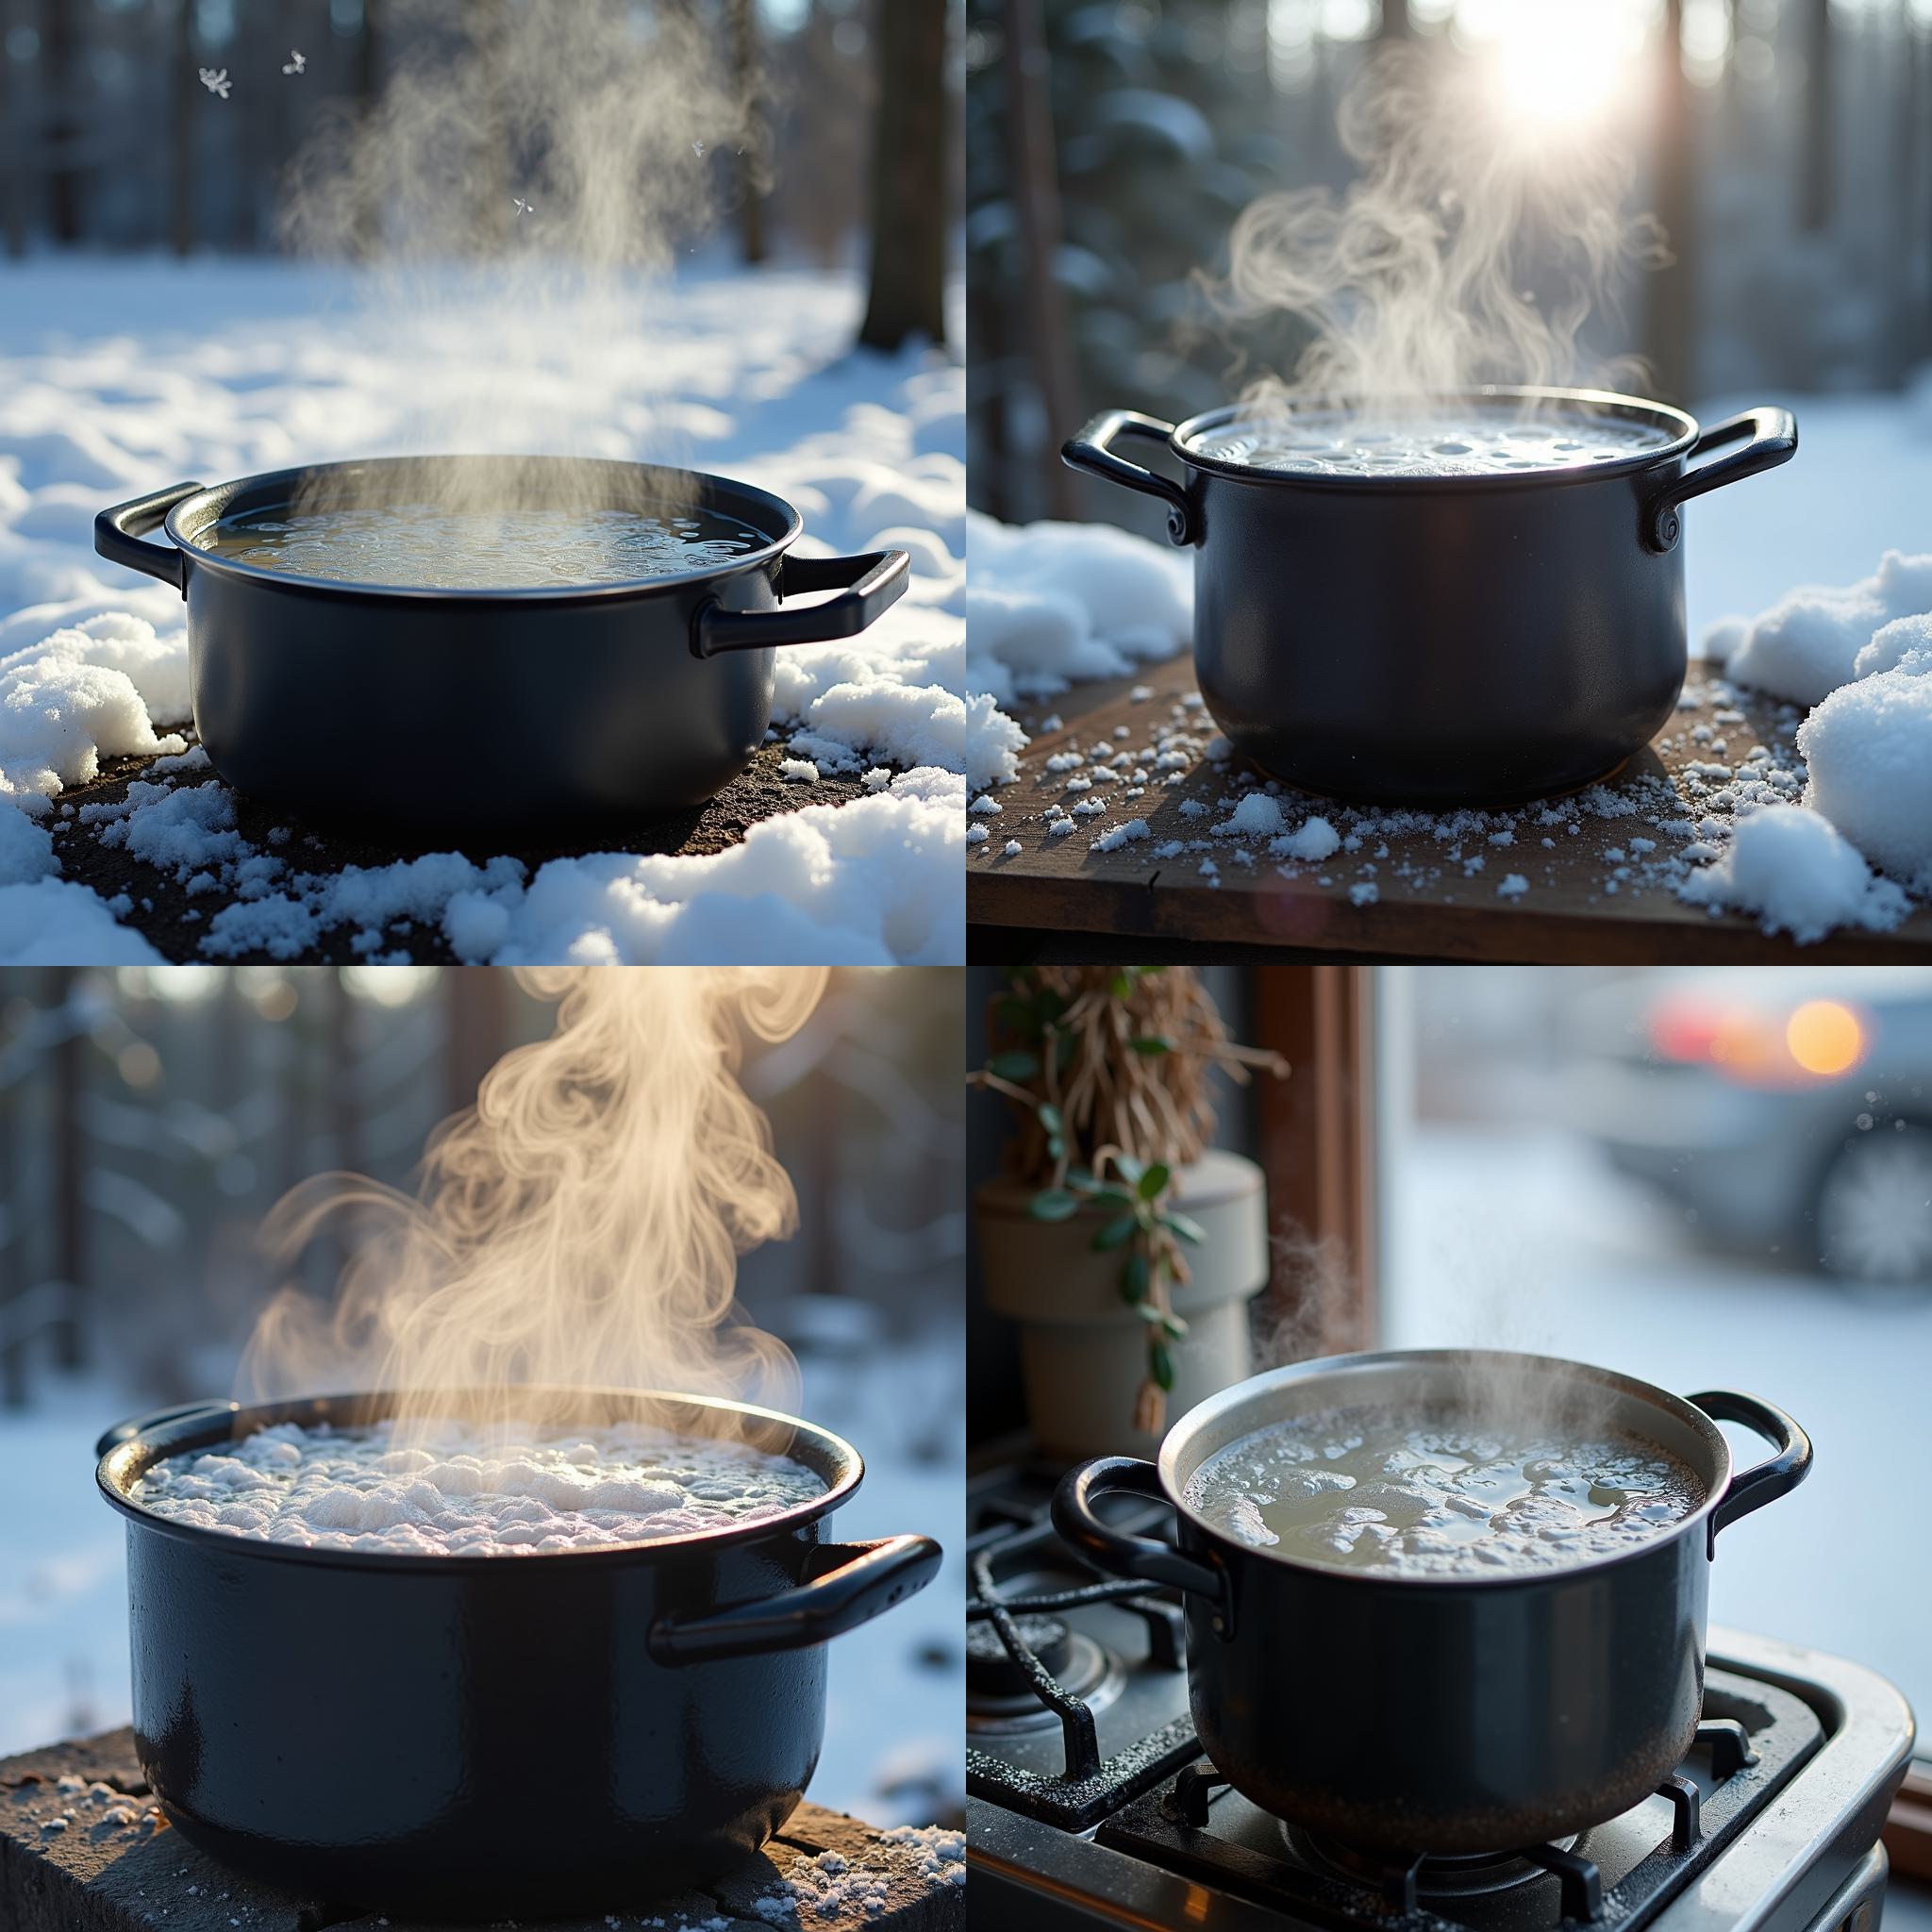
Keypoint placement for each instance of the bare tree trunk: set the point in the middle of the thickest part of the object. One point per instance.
(182, 173)
(18, 142)
(908, 178)
(1394, 20)
(368, 87)
(746, 76)
(1815, 187)
(63, 122)
(68, 1068)
(477, 1015)
(1034, 170)
(1672, 317)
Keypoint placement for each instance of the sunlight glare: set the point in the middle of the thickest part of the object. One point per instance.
(1558, 63)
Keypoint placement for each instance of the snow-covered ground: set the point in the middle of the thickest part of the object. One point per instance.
(1054, 604)
(118, 377)
(1519, 1236)
(894, 1750)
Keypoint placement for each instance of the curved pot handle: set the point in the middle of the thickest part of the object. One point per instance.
(1763, 1482)
(869, 585)
(1774, 440)
(118, 534)
(140, 1425)
(1143, 1557)
(847, 1585)
(1092, 451)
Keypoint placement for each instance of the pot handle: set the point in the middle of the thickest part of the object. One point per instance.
(140, 1425)
(1763, 1482)
(847, 1585)
(118, 534)
(1143, 1557)
(868, 587)
(1774, 440)
(1092, 451)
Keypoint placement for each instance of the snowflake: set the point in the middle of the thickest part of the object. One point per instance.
(296, 62)
(697, 147)
(216, 80)
(523, 206)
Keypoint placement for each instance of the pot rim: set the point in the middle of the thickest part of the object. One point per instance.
(205, 1426)
(1681, 421)
(1197, 1418)
(515, 595)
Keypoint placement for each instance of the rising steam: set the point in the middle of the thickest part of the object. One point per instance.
(1466, 252)
(615, 129)
(578, 1227)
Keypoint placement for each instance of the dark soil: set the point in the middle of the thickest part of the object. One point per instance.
(162, 907)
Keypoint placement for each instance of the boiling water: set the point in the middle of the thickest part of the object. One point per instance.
(1479, 444)
(475, 1494)
(422, 547)
(1372, 1492)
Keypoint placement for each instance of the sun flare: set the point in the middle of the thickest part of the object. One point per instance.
(1561, 65)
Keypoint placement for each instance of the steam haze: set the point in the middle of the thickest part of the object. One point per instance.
(1471, 249)
(578, 1227)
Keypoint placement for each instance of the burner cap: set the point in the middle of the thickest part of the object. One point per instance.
(991, 1672)
(1440, 1875)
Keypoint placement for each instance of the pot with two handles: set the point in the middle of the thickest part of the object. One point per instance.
(1401, 1714)
(1441, 639)
(475, 1735)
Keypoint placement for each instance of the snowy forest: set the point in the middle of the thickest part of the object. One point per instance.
(1786, 146)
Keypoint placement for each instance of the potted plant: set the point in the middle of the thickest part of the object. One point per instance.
(1123, 1244)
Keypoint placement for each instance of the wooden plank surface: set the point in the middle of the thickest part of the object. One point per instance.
(1590, 896)
(84, 1848)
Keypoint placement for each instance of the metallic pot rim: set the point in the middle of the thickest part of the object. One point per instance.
(1218, 1408)
(1683, 425)
(131, 1447)
(194, 514)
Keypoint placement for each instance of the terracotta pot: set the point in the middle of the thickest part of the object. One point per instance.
(1083, 1350)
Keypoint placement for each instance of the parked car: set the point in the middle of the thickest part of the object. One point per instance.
(1786, 1109)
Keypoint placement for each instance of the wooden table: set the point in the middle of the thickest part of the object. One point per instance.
(115, 1865)
(1057, 897)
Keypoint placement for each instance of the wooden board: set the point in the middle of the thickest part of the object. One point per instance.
(84, 1848)
(1427, 903)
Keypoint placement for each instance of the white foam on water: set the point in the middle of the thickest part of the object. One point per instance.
(1453, 1498)
(503, 1491)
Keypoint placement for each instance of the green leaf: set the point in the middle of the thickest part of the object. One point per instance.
(1113, 1234)
(1017, 1065)
(1160, 1365)
(1153, 1181)
(1134, 1277)
(1053, 1204)
(1122, 986)
(1050, 1119)
(1188, 1230)
(1128, 1169)
(1174, 1326)
(1055, 1146)
(1113, 1197)
(1149, 1044)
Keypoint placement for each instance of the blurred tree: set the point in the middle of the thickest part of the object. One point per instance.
(1394, 25)
(59, 87)
(908, 178)
(747, 73)
(68, 1066)
(184, 87)
(1815, 182)
(1670, 335)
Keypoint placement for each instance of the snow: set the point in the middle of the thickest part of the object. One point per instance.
(1792, 867)
(52, 923)
(242, 367)
(1128, 834)
(1257, 813)
(1315, 839)
(1868, 748)
(1512, 886)
(1808, 643)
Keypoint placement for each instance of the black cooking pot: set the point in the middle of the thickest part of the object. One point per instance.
(540, 708)
(1437, 641)
(1400, 1715)
(472, 1737)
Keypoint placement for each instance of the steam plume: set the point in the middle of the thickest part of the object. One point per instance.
(1465, 253)
(578, 1227)
(609, 126)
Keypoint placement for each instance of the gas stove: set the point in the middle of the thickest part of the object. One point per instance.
(1089, 1803)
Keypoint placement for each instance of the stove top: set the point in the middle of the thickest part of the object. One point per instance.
(1090, 1805)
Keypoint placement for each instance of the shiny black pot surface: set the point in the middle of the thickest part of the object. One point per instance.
(1440, 642)
(534, 709)
(483, 1737)
(1400, 1715)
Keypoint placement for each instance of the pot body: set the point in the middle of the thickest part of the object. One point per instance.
(1083, 1350)
(1441, 641)
(533, 709)
(1404, 1714)
(1418, 648)
(474, 1736)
